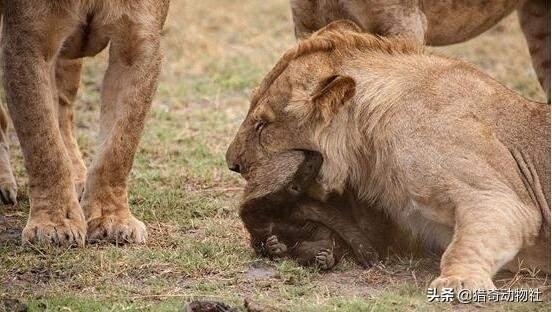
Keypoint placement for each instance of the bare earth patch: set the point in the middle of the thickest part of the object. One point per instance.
(216, 51)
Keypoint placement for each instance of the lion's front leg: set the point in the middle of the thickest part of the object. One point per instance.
(490, 230)
(29, 50)
(8, 187)
(128, 88)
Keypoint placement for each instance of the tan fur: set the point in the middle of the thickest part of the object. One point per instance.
(434, 22)
(8, 186)
(42, 46)
(67, 73)
(445, 150)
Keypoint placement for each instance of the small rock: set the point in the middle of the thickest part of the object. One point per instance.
(261, 271)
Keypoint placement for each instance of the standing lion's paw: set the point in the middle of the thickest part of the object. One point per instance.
(274, 247)
(458, 283)
(121, 231)
(324, 259)
(68, 232)
(8, 193)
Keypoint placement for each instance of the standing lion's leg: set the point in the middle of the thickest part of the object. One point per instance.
(30, 45)
(8, 187)
(534, 17)
(67, 81)
(490, 230)
(128, 89)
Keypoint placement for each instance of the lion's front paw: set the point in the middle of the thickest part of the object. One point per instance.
(274, 247)
(68, 232)
(458, 282)
(8, 193)
(324, 259)
(117, 230)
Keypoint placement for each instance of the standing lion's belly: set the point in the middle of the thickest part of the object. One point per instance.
(465, 19)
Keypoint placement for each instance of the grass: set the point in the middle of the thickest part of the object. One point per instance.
(216, 51)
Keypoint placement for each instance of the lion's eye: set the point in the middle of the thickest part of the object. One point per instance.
(259, 126)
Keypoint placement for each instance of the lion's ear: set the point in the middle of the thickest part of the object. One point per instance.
(331, 93)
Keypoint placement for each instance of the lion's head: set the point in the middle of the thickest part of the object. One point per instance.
(306, 92)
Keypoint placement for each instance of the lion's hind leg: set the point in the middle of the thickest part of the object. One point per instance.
(67, 80)
(534, 17)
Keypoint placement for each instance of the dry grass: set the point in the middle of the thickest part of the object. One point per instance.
(215, 52)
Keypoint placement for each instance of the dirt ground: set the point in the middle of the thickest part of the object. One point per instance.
(215, 52)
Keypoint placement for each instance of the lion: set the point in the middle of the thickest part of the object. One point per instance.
(43, 44)
(434, 22)
(446, 151)
(8, 186)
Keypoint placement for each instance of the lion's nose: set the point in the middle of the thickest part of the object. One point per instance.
(235, 168)
(233, 157)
